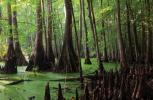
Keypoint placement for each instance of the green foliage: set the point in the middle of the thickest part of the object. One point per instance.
(26, 16)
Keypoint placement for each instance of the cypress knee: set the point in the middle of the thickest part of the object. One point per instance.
(47, 92)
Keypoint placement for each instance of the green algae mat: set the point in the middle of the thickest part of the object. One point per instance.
(23, 85)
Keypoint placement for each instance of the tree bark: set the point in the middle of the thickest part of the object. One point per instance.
(87, 53)
(44, 24)
(120, 38)
(38, 57)
(68, 61)
(94, 31)
(104, 36)
(130, 50)
(80, 43)
(0, 16)
(19, 55)
(10, 59)
(50, 54)
(149, 35)
(105, 45)
(134, 31)
(143, 34)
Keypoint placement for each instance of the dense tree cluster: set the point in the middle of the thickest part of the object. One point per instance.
(54, 35)
(120, 32)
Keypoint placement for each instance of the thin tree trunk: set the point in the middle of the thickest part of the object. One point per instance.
(60, 40)
(87, 53)
(134, 30)
(105, 46)
(149, 35)
(50, 54)
(44, 24)
(80, 42)
(143, 43)
(56, 46)
(143, 50)
(104, 36)
(94, 31)
(75, 29)
(130, 50)
(120, 38)
(0, 16)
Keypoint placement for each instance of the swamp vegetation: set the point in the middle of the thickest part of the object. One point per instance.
(76, 50)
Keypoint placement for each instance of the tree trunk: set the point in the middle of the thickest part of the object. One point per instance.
(56, 46)
(143, 43)
(80, 44)
(134, 31)
(50, 54)
(130, 50)
(78, 40)
(87, 53)
(19, 55)
(0, 16)
(76, 31)
(94, 31)
(68, 61)
(10, 60)
(120, 38)
(44, 24)
(104, 36)
(38, 56)
(105, 46)
(149, 35)
(143, 33)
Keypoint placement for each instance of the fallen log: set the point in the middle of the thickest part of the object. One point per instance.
(17, 82)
